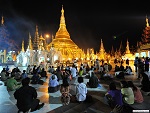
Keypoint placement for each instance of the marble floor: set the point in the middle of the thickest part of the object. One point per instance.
(51, 100)
(54, 105)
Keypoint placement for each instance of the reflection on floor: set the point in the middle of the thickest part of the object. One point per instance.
(54, 105)
(51, 100)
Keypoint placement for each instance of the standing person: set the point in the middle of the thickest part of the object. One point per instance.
(73, 74)
(138, 97)
(27, 97)
(59, 73)
(136, 63)
(65, 95)
(81, 90)
(127, 61)
(140, 68)
(28, 70)
(113, 96)
(147, 64)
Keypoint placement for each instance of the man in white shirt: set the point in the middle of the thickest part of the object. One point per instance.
(73, 74)
(81, 90)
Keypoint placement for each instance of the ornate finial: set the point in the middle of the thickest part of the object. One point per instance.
(127, 47)
(147, 24)
(62, 10)
(2, 21)
(23, 46)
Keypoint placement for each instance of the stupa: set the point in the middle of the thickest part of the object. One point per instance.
(128, 54)
(144, 46)
(63, 43)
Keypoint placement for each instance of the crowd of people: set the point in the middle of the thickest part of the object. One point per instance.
(129, 94)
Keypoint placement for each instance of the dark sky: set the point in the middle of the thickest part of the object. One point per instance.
(87, 21)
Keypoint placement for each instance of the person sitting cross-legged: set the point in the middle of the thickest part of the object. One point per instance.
(53, 84)
(138, 97)
(12, 83)
(93, 81)
(26, 97)
(113, 96)
(81, 90)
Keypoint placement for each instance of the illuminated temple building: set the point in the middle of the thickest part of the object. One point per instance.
(60, 50)
(144, 46)
(63, 43)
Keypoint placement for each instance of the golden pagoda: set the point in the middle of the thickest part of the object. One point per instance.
(128, 54)
(144, 46)
(63, 43)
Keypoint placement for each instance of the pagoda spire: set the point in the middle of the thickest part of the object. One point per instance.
(22, 46)
(2, 21)
(36, 39)
(102, 47)
(30, 43)
(112, 51)
(127, 47)
(62, 31)
(147, 24)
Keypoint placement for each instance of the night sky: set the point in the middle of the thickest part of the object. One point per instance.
(87, 21)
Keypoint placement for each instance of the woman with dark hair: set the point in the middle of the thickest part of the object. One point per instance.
(145, 84)
(113, 96)
(127, 93)
(138, 97)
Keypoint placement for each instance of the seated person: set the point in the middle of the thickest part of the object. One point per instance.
(127, 93)
(27, 97)
(53, 84)
(3, 74)
(145, 84)
(17, 73)
(93, 81)
(128, 70)
(43, 73)
(35, 78)
(81, 90)
(117, 68)
(121, 68)
(12, 84)
(138, 97)
(65, 95)
(24, 74)
(113, 96)
(120, 75)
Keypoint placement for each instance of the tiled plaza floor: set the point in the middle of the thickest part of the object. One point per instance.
(54, 105)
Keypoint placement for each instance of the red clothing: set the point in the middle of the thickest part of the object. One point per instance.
(138, 97)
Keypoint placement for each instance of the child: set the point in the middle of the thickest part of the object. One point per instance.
(65, 97)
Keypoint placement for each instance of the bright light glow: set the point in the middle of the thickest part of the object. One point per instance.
(47, 35)
(41, 59)
(143, 54)
(55, 57)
